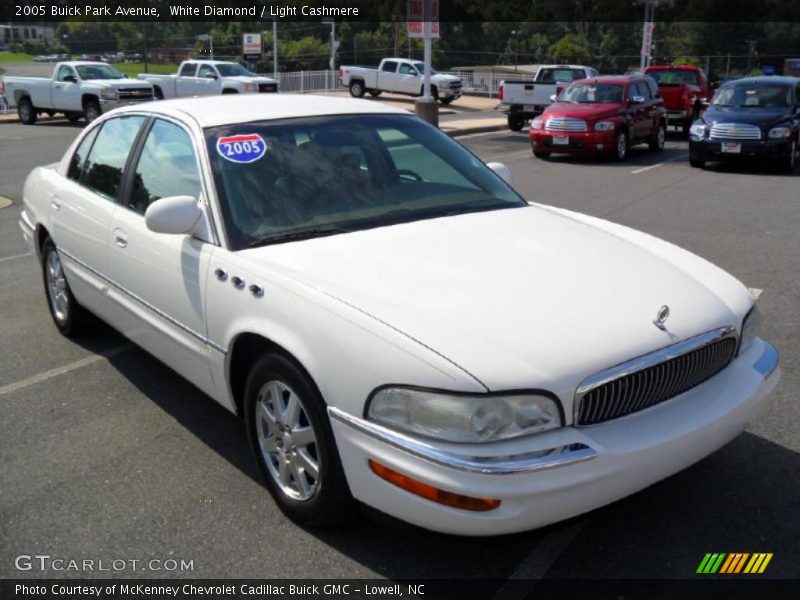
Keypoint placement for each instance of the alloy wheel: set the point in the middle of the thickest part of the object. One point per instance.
(57, 287)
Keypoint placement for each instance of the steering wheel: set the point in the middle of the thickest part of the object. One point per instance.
(408, 174)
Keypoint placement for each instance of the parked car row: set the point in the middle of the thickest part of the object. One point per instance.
(400, 76)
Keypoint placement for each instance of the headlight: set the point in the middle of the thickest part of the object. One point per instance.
(604, 126)
(537, 123)
(463, 417)
(779, 132)
(751, 329)
(698, 130)
(249, 87)
(108, 94)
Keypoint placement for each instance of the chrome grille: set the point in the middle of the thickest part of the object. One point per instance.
(267, 88)
(654, 378)
(565, 124)
(135, 94)
(734, 131)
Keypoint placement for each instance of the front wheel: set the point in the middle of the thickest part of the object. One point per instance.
(26, 112)
(292, 440)
(446, 101)
(621, 146)
(516, 123)
(357, 89)
(656, 144)
(790, 160)
(70, 318)
(91, 110)
(74, 117)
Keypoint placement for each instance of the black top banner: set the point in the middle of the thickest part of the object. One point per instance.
(55, 11)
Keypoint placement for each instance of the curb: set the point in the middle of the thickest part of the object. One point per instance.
(472, 130)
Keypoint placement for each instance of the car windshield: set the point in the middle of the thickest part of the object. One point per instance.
(420, 67)
(674, 76)
(98, 72)
(753, 95)
(279, 181)
(593, 93)
(563, 75)
(232, 70)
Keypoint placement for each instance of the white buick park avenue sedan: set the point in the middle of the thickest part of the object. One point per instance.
(393, 322)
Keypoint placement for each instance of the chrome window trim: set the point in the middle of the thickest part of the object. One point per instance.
(647, 361)
(529, 462)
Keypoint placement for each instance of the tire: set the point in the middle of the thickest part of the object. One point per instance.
(790, 160)
(621, 146)
(446, 101)
(74, 117)
(540, 154)
(321, 501)
(26, 112)
(70, 318)
(375, 93)
(696, 162)
(357, 89)
(434, 92)
(516, 123)
(91, 110)
(657, 143)
(158, 94)
(229, 91)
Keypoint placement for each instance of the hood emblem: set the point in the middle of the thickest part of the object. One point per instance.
(661, 317)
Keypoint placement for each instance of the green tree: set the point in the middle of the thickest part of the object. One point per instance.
(570, 49)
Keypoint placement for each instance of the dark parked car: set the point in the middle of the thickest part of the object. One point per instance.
(602, 115)
(756, 116)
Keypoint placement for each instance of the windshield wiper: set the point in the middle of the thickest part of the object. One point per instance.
(474, 209)
(293, 236)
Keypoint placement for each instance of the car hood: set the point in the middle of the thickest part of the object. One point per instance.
(442, 77)
(763, 117)
(519, 298)
(245, 79)
(119, 84)
(581, 111)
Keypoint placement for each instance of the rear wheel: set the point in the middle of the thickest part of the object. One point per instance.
(515, 123)
(357, 89)
(292, 439)
(621, 146)
(69, 317)
(26, 112)
(656, 144)
(91, 110)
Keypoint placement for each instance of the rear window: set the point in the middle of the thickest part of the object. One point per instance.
(674, 76)
(554, 75)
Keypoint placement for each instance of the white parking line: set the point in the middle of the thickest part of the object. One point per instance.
(78, 364)
(669, 160)
(16, 256)
(536, 565)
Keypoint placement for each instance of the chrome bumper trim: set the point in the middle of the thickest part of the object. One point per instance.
(768, 361)
(482, 465)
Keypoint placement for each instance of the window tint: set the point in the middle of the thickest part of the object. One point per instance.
(79, 158)
(166, 167)
(389, 66)
(109, 153)
(407, 70)
(188, 70)
(63, 72)
(206, 70)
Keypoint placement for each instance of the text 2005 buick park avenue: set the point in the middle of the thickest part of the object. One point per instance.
(339, 274)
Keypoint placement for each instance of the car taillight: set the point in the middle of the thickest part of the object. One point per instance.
(341, 72)
(500, 92)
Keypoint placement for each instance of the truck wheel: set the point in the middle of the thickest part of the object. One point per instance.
(292, 440)
(91, 110)
(446, 101)
(516, 123)
(621, 146)
(26, 112)
(375, 93)
(357, 89)
(74, 117)
(434, 92)
(157, 93)
(656, 144)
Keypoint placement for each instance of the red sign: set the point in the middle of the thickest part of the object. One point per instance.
(416, 17)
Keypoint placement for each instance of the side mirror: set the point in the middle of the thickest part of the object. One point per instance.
(211, 76)
(553, 97)
(70, 78)
(637, 100)
(503, 171)
(177, 215)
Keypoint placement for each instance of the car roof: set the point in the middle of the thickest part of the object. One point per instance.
(229, 109)
(781, 79)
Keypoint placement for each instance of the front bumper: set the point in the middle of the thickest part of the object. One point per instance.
(590, 142)
(712, 149)
(586, 467)
(107, 105)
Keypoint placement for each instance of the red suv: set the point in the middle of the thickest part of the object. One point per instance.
(602, 115)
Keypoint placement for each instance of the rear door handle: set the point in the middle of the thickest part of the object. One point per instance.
(120, 238)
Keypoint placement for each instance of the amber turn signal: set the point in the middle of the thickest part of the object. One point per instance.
(431, 493)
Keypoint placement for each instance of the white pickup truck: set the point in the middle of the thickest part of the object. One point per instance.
(208, 78)
(524, 100)
(77, 89)
(400, 76)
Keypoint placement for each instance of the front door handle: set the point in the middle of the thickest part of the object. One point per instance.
(120, 238)
(55, 204)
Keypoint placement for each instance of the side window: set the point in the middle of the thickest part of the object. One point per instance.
(206, 70)
(75, 168)
(642, 90)
(407, 70)
(63, 72)
(654, 91)
(188, 69)
(103, 171)
(797, 96)
(389, 66)
(167, 167)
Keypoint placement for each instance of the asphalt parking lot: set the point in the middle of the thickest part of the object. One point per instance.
(108, 454)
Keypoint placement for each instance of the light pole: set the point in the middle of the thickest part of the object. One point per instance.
(647, 28)
(516, 33)
(334, 47)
